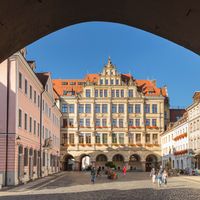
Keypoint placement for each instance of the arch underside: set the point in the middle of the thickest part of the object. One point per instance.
(174, 20)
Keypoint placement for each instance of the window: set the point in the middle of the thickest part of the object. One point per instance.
(121, 138)
(114, 108)
(154, 122)
(113, 93)
(104, 108)
(38, 129)
(87, 93)
(81, 108)
(101, 82)
(38, 101)
(137, 108)
(72, 83)
(71, 138)
(117, 82)
(104, 122)
(147, 138)
(138, 138)
(155, 138)
(26, 157)
(44, 155)
(35, 158)
(130, 122)
(64, 83)
(121, 108)
(88, 108)
(34, 127)
(26, 87)
(64, 92)
(147, 122)
(97, 108)
(88, 138)
(117, 93)
(137, 122)
(30, 124)
(30, 92)
(105, 93)
(64, 108)
(97, 122)
(154, 108)
(97, 138)
(130, 108)
(122, 93)
(104, 138)
(147, 108)
(111, 82)
(81, 138)
(20, 118)
(130, 138)
(121, 123)
(101, 93)
(96, 93)
(65, 123)
(114, 123)
(81, 122)
(71, 108)
(106, 81)
(20, 80)
(25, 121)
(130, 93)
(71, 122)
(88, 122)
(35, 96)
(114, 138)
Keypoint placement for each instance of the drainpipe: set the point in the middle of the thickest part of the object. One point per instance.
(41, 106)
(7, 120)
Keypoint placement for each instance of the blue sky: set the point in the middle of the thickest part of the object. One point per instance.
(72, 52)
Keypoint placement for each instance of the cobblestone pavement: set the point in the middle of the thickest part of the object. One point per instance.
(77, 186)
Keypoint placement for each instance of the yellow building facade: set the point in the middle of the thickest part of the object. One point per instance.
(111, 117)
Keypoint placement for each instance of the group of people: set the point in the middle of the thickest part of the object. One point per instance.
(111, 174)
(160, 175)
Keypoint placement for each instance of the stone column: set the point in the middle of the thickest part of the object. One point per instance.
(77, 166)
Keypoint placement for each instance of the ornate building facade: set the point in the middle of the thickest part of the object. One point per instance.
(111, 117)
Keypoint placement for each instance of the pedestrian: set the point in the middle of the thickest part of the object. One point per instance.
(99, 171)
(153, 175)
(124, 170)
(164, 177)
(159, 178)
(93, 175)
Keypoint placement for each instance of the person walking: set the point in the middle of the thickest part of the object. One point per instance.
(124, 170)
(99, 171)
(159, 178)
(153, 175)
(93, 175)
(164, 177)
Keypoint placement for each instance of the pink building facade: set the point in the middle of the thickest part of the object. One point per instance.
(29, 122)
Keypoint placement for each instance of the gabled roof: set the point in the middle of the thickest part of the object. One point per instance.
(43, 77)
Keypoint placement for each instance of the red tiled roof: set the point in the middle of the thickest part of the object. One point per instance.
(146, 86)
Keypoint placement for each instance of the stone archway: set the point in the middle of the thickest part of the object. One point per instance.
(101, 160)
(118, 160)
(68, 163)
(18, 29)
(85, 162)
(151, 161)
(135, 162)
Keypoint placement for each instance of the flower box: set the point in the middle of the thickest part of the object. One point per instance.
(82, 145)
(132, 127)
(139, 144)
(115, 145)
(106, 145)
(149, 145)
(89, 145)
